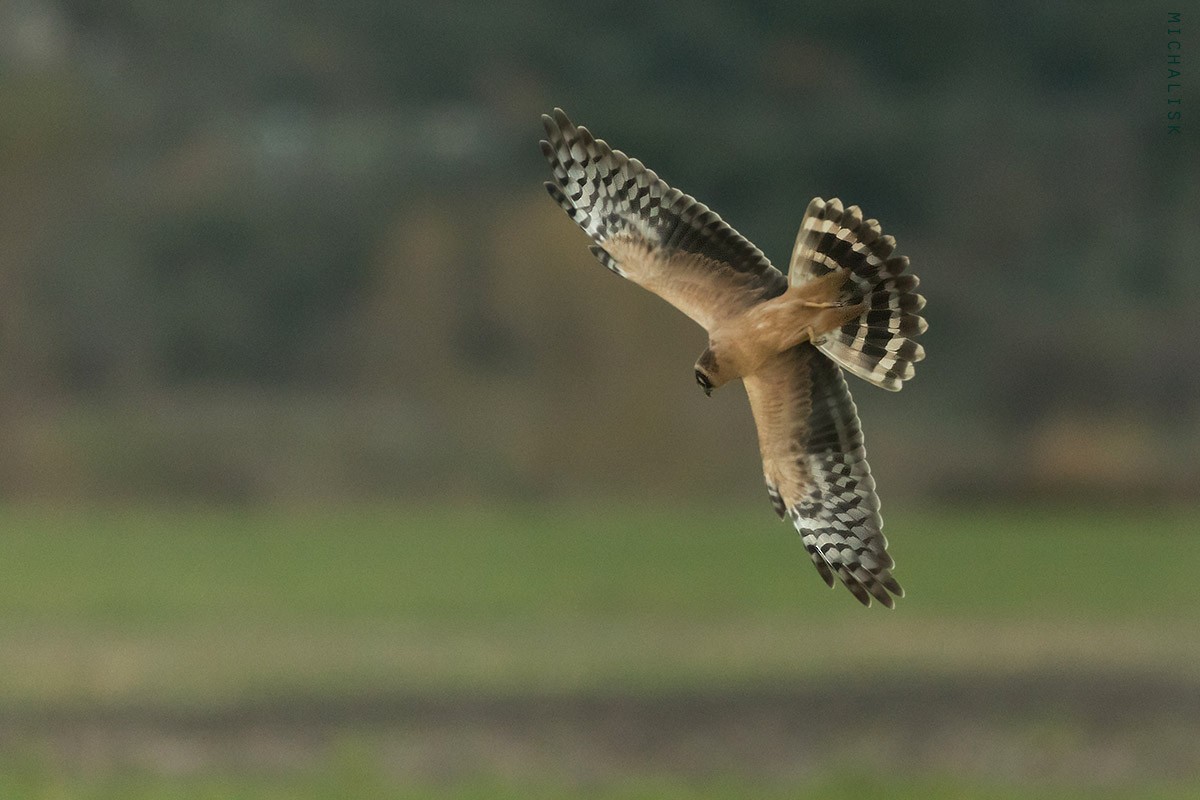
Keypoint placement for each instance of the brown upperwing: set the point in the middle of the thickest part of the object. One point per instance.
(658, 237)
(816, 469)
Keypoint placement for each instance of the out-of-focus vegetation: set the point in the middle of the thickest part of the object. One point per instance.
(265, 251)
(202, 608)
(315, 410)
(336, 779)
(624, 653)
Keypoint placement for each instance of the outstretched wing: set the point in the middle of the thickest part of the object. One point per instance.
(658, 237)
(817, 472)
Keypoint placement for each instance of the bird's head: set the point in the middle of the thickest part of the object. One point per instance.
(708, 373)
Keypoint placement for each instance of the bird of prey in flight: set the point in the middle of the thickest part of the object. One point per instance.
(846, 303)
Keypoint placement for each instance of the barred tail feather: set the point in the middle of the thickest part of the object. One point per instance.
(877, 346)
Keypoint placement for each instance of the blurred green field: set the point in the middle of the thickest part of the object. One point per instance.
(348, 781)
(115, 624)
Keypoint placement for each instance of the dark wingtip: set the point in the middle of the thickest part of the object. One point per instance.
(883, 597)
(856, 589)
(825, 572)
(555, 192)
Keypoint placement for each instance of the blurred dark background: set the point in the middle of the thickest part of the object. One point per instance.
(332, 464)
(262, 251)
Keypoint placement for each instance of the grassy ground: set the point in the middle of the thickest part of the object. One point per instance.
(338, 783)
(167, 653)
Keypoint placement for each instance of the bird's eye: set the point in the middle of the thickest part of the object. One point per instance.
(703, 380)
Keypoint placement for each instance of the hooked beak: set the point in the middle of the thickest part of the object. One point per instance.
(708, 391)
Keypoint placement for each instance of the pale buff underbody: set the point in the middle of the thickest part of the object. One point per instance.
(743, 344)
(749, 339)
(743, 335)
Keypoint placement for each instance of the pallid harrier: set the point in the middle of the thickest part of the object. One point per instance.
(846, 303)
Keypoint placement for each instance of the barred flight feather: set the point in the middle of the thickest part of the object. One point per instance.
(816, 469)
(839, 516)
(654, 235)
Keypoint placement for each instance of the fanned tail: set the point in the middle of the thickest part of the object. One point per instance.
(878, 345)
